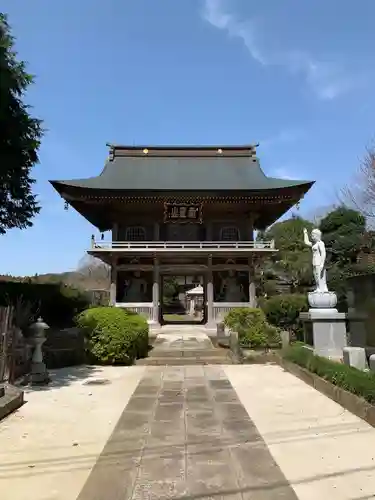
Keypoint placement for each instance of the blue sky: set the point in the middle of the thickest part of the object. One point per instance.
(297, 77)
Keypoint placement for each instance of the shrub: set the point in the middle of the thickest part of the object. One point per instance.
(114, 336)
(252, 327)
(348, 378)
(283, 311)
(56, 303)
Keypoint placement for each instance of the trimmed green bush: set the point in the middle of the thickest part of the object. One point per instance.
(283, 311)
(252, 328)
(348, 378)
(114, 336)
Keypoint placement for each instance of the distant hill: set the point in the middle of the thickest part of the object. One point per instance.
(91, 274)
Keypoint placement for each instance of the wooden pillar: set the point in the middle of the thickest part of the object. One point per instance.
(113, 286)
(209, 231)
(155, 292)
(252, 289)
(251, 220)
(210, 295)
(156, 231)
(115, 233)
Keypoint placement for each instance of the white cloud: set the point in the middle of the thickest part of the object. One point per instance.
(286, 136)
(284, 173)
(326, 79)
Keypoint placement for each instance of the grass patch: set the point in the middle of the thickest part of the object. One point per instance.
(348, 378)
(180, 318)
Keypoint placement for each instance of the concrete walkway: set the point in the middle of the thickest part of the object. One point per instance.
(50, 445)
(187, 432)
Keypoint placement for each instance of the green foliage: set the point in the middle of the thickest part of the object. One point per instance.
(114, 335)
(170, 291)
(345, 237)
(252, 327)
(288, 234)
(283, 311)
(20, 138)
(56, 303)
(348, 378)
(343, 220)
(293, 261)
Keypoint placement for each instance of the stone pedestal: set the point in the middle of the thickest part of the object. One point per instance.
(328, 326)
(328, 332)
(322, 301)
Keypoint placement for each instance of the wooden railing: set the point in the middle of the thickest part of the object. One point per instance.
(183, 245)
(143, 308)
(221, 309)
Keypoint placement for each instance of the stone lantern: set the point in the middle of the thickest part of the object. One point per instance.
(39, 373)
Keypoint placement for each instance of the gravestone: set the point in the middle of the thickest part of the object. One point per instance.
(355, 357)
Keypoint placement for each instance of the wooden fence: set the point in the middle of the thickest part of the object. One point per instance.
(14, 351)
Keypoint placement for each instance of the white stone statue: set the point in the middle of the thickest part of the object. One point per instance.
(318, 259)
(233, 291)
(136, 290)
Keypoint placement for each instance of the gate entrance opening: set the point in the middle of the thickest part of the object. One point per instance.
(183, 300)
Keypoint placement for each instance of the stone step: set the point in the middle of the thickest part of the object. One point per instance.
(178, 361)
(187, 353)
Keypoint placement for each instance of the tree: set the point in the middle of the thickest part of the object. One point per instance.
(20, 138)
(345, 236)
(170, 290)
(292, 263)
(361, 192)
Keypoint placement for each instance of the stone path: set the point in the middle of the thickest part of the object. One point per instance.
(189, 346)
(184, 434)
(187, 432)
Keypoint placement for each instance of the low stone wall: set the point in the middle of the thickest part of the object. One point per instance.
(346, 399)
(64, 348)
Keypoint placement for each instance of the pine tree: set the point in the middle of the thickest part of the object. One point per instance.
(20, 136)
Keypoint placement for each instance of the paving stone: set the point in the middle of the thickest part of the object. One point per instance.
(208, 473)
(168, 430)
(163, 489)
(169, 413)
(220, 384)
(226, 396)
(173, 385)
(141, 404)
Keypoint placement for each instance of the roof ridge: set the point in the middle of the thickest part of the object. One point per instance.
(182, 151)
